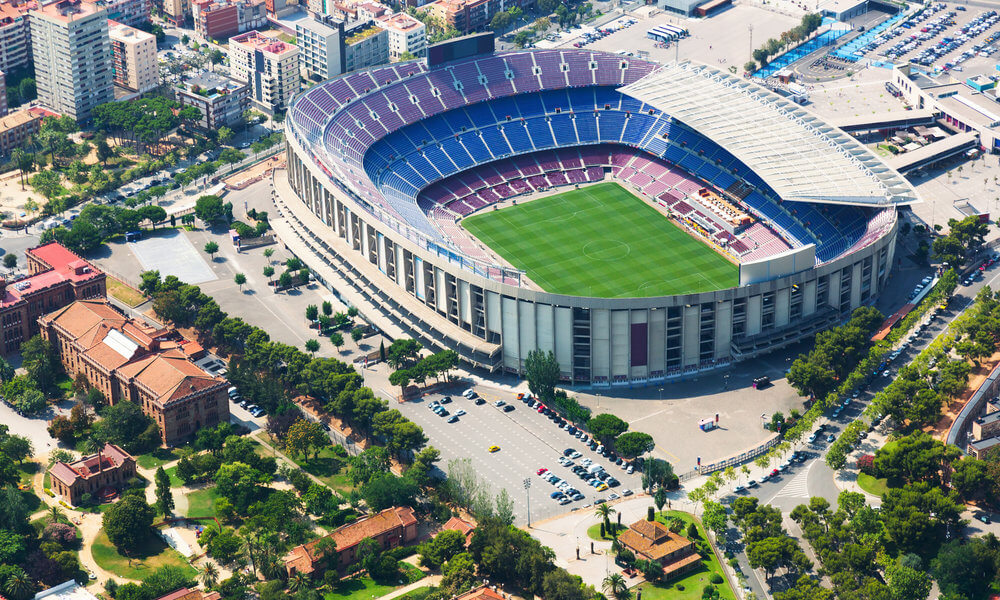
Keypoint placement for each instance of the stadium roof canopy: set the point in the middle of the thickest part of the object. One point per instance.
(801, 157)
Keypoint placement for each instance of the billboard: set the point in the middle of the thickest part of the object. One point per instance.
(462, 47)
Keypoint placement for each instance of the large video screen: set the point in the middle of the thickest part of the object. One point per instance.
(463, 47)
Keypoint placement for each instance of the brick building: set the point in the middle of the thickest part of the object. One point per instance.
(191, 594)
(652, 540)
(391, 528)
(130, 361)
(471, 15)
(58, 277)
(16, 127)
(110, 467)
(222, 19)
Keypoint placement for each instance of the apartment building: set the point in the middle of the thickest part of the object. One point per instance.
(406, 34)
(57, 277)
(133, 57)
(128, 12)
(15, 38)
(320, 46)
(365, 45)
(72, 56)
(129, 360)
(3, 94)
(16, 127)
(269, 65)
(177, 12)
(222, 19)
(471, 15)
(222, 100)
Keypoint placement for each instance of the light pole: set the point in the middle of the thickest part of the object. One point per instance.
(661, 394)
(527, 495)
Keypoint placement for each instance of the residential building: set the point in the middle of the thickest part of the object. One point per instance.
(128, 12)
(191, 594)
(365, 45)
(222, 100)
(471, 15)
(133, 57)
(57, 278)
(406, 34)
(653, 541)
(177, 12)
(369, 11)
(130, 361)
(99, 474)
(15, 38)
(269, 65)
(391, 528)
(320, 48)
(16, 127)
(3, 94)
(222, 19)
(72, 56)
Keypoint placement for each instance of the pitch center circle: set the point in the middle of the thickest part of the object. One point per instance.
(606, 250)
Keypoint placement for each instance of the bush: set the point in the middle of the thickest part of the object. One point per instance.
(60, 533)
(715, 578)
(299, 479)
(692, 531)
(403, 552)
(680, 587)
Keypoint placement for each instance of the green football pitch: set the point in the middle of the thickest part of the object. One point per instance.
(602, 241)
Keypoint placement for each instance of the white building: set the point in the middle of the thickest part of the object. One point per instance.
(72, 54)
(406, 34)
(320, 49)
(269, 65)
(15, 41)
(133, 57)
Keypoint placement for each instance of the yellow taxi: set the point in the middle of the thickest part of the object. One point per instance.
(494, 449)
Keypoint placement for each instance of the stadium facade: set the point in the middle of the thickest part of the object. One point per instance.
(383, 165)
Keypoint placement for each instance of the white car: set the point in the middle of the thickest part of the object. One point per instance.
(459, 413)
(468, 393)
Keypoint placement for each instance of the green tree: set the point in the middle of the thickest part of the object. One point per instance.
(225, 135)
(240, 279)
(634, 443)
(337, 340)
(616, 586)
(39, 361)
(164, 498)
(906, 583)
(312, 346)
(128, 523)
(211, 248)
(542, 371)
(210, 209)
(606, 427)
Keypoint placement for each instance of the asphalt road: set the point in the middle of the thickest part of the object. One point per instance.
(528, 441)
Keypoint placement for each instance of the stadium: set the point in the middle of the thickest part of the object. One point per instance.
(643, 221)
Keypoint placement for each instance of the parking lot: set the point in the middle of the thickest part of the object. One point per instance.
(527, 442)
(943, 36)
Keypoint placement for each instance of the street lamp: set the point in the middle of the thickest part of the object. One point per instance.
(527, 494)
(661, 394)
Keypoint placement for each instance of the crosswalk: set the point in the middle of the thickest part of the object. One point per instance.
(798, 486)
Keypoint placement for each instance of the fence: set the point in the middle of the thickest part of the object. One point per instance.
(799, 52)
(732, 461)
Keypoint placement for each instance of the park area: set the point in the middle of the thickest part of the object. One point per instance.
(602, 241)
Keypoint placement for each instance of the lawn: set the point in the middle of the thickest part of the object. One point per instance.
(327, 467)
(65, 385)
(594, 532)
(602, 241)
(365, 588)
(693, 582)
(873, 486)
(416, 594)
(153, 555)
(124, 293)
(157, 458)
(202, 502)
(175, 481)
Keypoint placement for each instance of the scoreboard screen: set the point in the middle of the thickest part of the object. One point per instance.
(462, 47)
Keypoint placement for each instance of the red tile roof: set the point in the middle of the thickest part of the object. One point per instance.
(111, 457)
(347, 536)
(481, 593)
(63, 266)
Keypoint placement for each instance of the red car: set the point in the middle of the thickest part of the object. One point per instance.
(542, 470)
(775, 473)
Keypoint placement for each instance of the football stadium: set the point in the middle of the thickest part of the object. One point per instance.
(643, 221)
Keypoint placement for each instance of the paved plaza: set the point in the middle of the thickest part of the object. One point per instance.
(171, 253)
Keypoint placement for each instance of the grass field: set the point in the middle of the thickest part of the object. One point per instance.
(153, 554)
(602, 241)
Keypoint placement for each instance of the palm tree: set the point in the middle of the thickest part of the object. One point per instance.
(55, 514)
(19, 586)
(615, 585)
(209, 574)
(299, 581)
(604, 511)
